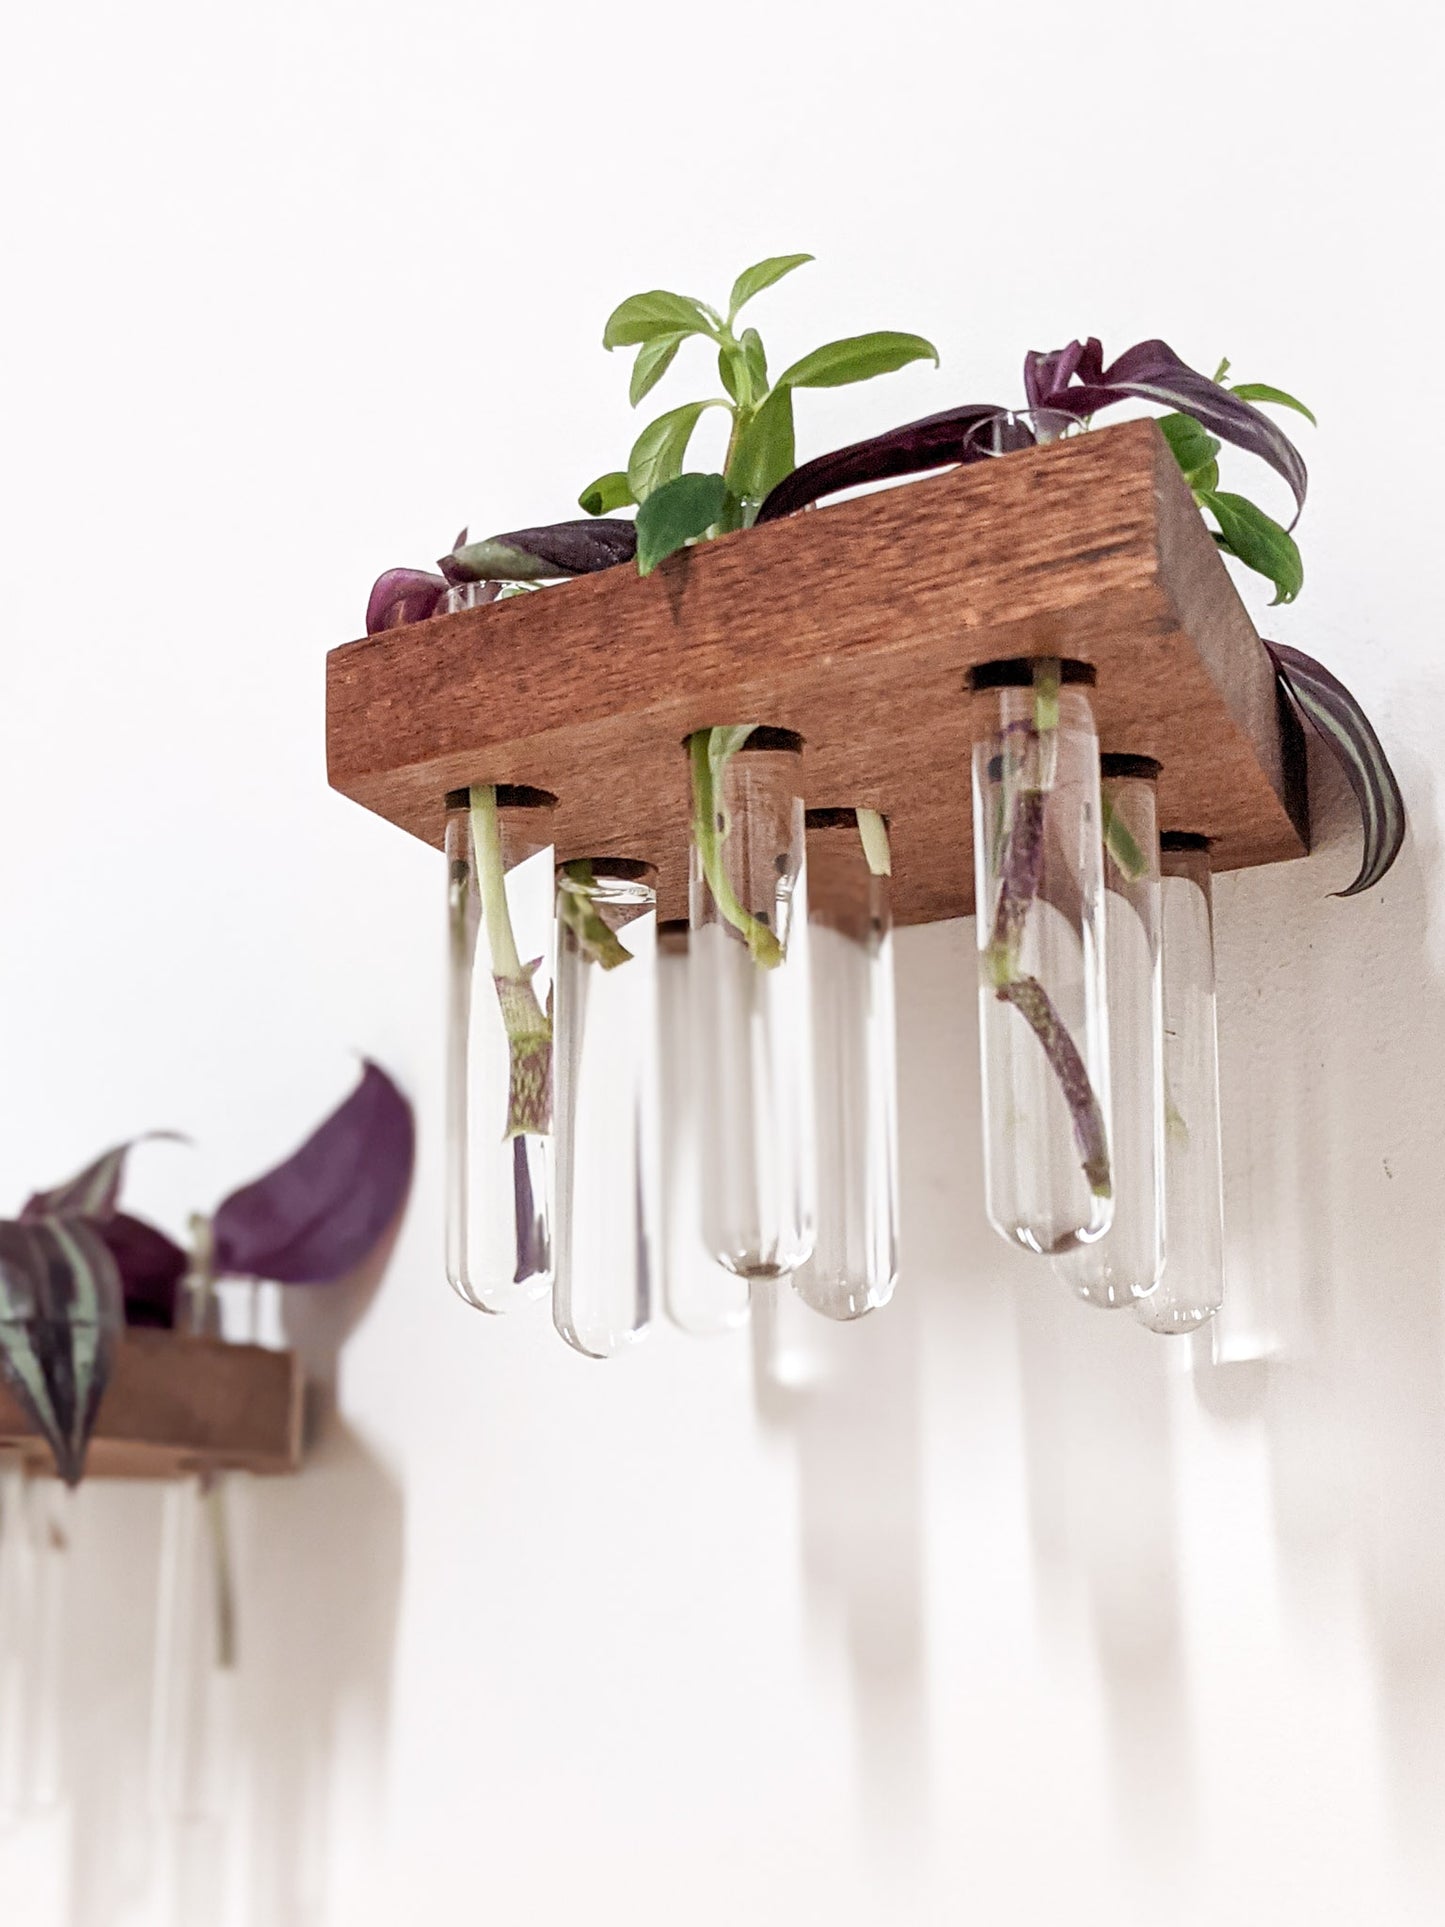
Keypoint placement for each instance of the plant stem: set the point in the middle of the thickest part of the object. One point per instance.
(492, 881)
(710, 833)
(1021, 874)
(215, 1504)
(577, 909)
(528, 1027)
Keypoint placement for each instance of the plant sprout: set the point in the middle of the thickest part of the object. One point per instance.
(528, 1026)
(676, 506)
(1021, 872)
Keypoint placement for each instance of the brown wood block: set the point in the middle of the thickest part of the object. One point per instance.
(856, 625)
(176, 1404)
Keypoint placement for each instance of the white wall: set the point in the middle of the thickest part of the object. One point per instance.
(1012, 1618)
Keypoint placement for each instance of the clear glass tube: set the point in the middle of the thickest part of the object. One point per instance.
(37, 1523)
(500, 882)
(1125, 1264)
(855, 1081)
(1043, 1026)
(1008, 431)
(192, 1684)
(752, 1014)
(606, 1027)
(1191, 1289)
(702, 1298)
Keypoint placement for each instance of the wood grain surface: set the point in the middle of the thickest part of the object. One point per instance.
(176, 1404)
(856, 625)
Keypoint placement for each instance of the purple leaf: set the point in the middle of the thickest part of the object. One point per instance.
(151, 1267)
(1349, 735)
(538, 555)
(1075, 380)
(401, 596)
(91, 1193)
(315, 1218)
(934, 442)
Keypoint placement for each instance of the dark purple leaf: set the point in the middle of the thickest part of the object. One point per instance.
(316, 1217)
(151, 1268)
(1349, 735)
(1074, 379)
(538, 555)
(91, 1193)
(60, 1311)
(401, 596)
(935, 442)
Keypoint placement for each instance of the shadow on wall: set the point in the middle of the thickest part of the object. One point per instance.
(296, 1735)
(1331, 1362)
(1333, 1044)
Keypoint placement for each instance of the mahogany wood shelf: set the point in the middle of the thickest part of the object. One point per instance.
(855, 625)
(177, 1404)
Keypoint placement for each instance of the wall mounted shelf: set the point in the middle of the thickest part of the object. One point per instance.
(856, 625)
(176, 1404)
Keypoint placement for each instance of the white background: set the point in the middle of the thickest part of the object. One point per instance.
(1013, 1618)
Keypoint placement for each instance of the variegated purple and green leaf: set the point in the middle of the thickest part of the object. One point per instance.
(1075, 381)
(61, 1311)
(1348, 734)
(544, 554)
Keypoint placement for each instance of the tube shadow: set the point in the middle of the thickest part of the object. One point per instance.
(1336, 1043)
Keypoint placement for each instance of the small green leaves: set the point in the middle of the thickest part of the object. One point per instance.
(752, 347)
(1257, 540)
(642, 317)
(857, 358)
(607, 493)
(762, 275)
(674, 514)
(654, 358)
(1194, 447)
(765, 450)
(659, 451)
(1261, 391)
(734, 372)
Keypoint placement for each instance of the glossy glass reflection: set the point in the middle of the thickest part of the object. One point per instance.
(606, 1031)
(1048, 1167)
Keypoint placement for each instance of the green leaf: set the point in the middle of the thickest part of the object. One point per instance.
(1258, 541)
(765, 450)
(1194, 447)
(674, 514)
(1261, 391)
(752, 347)
(857, 358)
(735, 373)
(1221, 371)
(654, 358)
(762, 275)
(643, 316)
(1121, 845)
(1204, 480)
(607, 493)
(659, 451)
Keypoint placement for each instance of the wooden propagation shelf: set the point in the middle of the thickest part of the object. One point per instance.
(856, 625)
(177, 1404)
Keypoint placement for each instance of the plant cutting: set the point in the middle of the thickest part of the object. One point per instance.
(676, 506)
(1028, 777)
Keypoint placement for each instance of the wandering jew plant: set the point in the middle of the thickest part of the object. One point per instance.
(1030, 759)
(759, 482)
(75, 1268)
